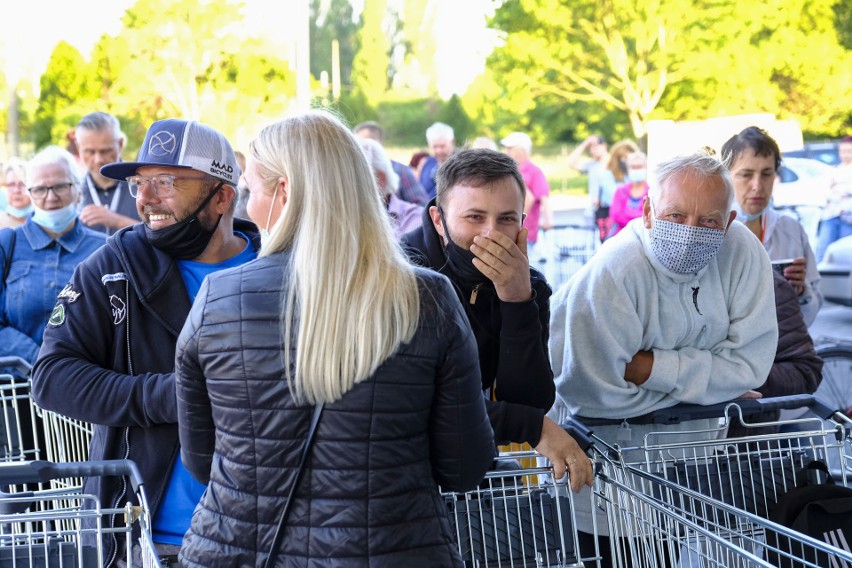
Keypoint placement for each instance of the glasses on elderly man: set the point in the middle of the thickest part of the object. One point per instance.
(162, 185)
(60, 190)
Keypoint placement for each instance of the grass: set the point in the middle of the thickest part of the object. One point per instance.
(563, 180)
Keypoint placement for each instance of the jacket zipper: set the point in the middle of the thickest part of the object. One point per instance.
(474, 293)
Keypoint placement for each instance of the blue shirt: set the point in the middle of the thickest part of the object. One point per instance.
(40, 268)
(183, 492)
(427, 176)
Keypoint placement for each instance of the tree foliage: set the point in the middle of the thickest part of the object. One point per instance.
(371, 63)
(661, 59)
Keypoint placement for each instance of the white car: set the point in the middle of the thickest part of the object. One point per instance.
(804, 182)
(803, 192)
(835, 272)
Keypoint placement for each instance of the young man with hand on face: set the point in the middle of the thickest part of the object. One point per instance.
(472, 233)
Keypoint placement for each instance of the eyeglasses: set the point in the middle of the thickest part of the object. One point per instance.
(19, 185)
(60, 190)
(162, 185)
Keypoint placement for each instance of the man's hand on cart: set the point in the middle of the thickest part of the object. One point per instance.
(565, 455)
(751, 394)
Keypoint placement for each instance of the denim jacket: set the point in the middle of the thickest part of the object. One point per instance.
(41, 266)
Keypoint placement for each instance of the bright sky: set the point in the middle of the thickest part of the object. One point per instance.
(461, 52)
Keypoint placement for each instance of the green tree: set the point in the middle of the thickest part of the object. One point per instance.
(65, 91)
(664, 59)
(333, 20)
(190, 60)
(371, 63)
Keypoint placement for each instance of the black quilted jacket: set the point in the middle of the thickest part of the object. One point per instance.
(369, 496)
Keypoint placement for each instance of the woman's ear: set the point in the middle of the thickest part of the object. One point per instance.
(283, 187)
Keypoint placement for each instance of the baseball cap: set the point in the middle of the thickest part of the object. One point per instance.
(182, 144)
(517, 139)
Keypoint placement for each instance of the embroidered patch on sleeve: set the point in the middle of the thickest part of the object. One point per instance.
(113, 277)
(69, 294)
(119, 309)
(57, 317)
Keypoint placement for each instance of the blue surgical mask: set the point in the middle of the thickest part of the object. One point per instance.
(746, 217)
(637, 176)
(56, 220)
(19, 212)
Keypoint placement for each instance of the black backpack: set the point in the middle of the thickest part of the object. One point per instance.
(822, 511)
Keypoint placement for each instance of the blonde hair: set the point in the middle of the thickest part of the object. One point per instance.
(353, 296)
(618, 152)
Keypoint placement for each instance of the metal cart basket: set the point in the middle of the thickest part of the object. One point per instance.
(65, 527)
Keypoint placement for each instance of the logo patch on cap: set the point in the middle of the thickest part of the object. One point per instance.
(162, 143)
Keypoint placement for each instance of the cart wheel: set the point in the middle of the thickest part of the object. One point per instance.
(835, 390)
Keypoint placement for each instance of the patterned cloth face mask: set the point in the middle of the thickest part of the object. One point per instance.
(684, 249)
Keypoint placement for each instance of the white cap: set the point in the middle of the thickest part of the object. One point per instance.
(517, 139)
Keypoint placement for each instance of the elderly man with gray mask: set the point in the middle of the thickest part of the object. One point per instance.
(676, 308)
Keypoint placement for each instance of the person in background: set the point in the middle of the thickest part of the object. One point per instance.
(483, 142)
(473, 233)
(442, 144)
(676, 308)
(19, 205)
(418, 160)
(796, 369)
(629, 199)
(410, 189)
(836, 221)
(107, 204)
(600, 181)
(240, 212)
(331, 314)
(108, 354)
(537, 210)
(40, 255)
(404, 216)
(753, 158)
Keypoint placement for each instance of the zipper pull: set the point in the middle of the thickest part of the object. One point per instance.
(474, 293)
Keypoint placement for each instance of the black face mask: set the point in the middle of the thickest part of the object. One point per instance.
(460, 260)
(187, 239)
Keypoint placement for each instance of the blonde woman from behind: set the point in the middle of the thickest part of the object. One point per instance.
(330, 313)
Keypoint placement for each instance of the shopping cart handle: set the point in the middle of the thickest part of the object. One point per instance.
(19, 363)
(13, 473)
(748, 407)
(577, 430)
(684, 412)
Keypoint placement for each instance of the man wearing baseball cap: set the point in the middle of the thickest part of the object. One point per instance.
(109, 348)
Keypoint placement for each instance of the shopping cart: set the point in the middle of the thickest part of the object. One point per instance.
(519, 516)
(65, 528)
(19, 432)
(652, 522)
(740, 480)
(563, 249)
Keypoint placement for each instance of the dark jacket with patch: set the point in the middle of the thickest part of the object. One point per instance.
(110, 359)
(369, 496)
(511, 337)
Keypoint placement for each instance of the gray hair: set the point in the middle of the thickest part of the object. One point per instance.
(699, 165)
(440, 131)
(100, 121)
(55, 156)
(16, 165)
(380, 162)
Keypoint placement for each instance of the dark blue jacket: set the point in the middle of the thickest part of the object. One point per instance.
(511, 338)
(109, 359)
